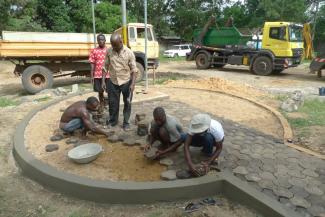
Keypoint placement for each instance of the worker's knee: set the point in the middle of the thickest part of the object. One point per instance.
(163, 134)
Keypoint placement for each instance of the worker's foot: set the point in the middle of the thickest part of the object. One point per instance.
(126, 127)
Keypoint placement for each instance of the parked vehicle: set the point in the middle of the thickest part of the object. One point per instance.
(282, 47)
(42, 56)
(178, 50)
(317, 65)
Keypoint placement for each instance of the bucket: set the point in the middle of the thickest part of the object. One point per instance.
(322, 91)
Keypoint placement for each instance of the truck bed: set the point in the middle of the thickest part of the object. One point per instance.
(45, 45)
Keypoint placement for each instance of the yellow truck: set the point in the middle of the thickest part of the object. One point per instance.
(42, 56)
(280, 46)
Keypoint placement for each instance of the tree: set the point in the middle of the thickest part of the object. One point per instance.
(54, 15)
(80, 15)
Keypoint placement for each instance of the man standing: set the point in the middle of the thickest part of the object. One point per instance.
(120, 61)
(207, 133)
(97, 60)
(167, 130)
(77, 116)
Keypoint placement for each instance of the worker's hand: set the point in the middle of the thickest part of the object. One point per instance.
(132, 86)
(146, 148)
(158, 154)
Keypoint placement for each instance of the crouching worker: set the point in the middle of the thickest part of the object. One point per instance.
(77, 116)
(206, 133)
(167, 130)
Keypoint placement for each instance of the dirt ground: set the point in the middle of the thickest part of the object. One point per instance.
(20, 196)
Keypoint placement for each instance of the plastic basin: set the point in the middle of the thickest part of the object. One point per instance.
(85, 153)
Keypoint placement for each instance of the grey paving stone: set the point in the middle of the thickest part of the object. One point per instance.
(267, 175)
(317, 210)
(166, 162)
(72, 140)
(283, 182)
(283, 192)
(113, 139)
(51, 147)
(268, 168)
(243, 163)
(245, 151)
(312, 189)
(57, 137)
(287, 203)
(240, 170)
(168, 175)
(311, 173)
(303, 212)
(315, 200)
(270, 193)
(313, 181)
(297, 182)
(300, 202)
(292, 160)
(296, 174)
(298, 191)
(253, 177)
(266, 184)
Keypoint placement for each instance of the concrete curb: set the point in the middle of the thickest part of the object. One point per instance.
(138, 192)
(287, 131)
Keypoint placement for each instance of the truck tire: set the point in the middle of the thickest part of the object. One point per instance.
(140, 73)
(203, 60)
(262, 66)
(36, 78)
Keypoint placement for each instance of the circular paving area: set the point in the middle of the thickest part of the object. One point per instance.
(253, 152)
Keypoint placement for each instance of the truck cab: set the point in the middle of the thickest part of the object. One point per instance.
(136, 42)
(285, 41)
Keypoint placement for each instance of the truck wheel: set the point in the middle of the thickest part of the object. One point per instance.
(140, 73)
(36, 78)
(262, 65)
(202, 61)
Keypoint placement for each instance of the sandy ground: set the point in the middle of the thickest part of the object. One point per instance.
(20, 196)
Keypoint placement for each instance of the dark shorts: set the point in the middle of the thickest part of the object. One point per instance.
(206, 141)
(73, 125)
(98, 84)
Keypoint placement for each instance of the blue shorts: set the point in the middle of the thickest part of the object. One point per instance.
(73, 125)
(205, 140)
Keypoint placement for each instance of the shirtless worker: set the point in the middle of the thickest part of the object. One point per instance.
(167, 130)
(77, 116)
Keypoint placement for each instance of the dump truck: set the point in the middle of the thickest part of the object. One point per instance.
(39, 57)
(280, 46)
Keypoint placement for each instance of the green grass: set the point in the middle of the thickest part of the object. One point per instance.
(5, 102)
(315, 115)
(43, 99)
(164, 59)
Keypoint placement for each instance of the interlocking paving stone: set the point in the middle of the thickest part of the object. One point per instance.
(253, 177)
(298, 191)
(303, 212)
(317, 210)
(267, 175)
(311, 189)
(297, 182)
(296, 173)
(285, 168)
(283, 192)
(240, 170)
(300, 202)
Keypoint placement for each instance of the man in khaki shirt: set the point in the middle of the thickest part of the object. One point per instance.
(120, 62)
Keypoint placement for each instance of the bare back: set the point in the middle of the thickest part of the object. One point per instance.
(76, 110)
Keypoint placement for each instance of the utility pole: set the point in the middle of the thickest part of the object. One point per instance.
(124, 22)
(145, 44)
(94, 24)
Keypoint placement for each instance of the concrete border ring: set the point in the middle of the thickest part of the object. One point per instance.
(127, 192)
(287, 131)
